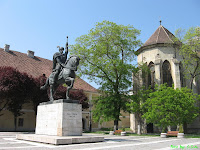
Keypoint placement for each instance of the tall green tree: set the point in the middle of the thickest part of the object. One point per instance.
(168, 106)
(106, 54)
(190, 52)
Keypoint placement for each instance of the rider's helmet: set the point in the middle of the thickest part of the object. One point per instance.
(61, 48)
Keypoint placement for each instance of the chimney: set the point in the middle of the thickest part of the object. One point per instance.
(30, 53)
(6, 47)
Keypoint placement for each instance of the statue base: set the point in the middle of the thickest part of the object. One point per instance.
(60, 140)
(59, 118)
(59, 123)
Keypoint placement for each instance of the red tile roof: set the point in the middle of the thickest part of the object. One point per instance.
(36, 67)
(160, 36)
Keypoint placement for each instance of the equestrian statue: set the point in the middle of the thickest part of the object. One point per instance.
(63, 71)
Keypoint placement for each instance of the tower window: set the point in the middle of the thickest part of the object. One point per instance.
(166, 70)
(151, 75)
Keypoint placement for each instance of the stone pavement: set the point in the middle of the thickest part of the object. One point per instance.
(111, 142)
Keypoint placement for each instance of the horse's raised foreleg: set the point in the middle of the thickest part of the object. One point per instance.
(69, 87)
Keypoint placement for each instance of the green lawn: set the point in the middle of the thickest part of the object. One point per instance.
(149, 134)
(192, 135)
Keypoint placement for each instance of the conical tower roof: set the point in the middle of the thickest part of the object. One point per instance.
(161, 37)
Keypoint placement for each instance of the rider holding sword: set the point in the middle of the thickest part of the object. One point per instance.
(59, 60)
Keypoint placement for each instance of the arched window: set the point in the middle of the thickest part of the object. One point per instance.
(151, 75)
(166, 70)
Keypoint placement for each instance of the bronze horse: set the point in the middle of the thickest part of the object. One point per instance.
(67, 75)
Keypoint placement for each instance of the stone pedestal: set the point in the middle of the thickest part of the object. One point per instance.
(59, 122)
(59, 118)
(60, 140)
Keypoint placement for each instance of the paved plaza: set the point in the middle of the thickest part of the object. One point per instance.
(111, 142)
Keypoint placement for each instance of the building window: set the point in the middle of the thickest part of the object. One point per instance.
(166, 70)
(20, 122)
(151, 75)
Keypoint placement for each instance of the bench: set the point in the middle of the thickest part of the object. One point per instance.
(118, 131)
(172, 133)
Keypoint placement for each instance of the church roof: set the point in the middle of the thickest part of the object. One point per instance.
(36, 67)
(160, 37)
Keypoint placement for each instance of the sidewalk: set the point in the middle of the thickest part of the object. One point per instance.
(111, 142)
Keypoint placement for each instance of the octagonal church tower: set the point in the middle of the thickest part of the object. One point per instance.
(160, 54)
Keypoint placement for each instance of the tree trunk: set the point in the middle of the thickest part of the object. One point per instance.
(191, 83)
(15, 122)
(168, 128)
(139, 129)
(115, 125)
(139, 120)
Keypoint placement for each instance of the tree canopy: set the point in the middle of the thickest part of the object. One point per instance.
(168, 106)
(190, 52)
(38, 96)
(15, 88)
(106, 105)
(106, 54)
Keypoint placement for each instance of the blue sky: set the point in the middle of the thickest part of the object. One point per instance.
(42, 25)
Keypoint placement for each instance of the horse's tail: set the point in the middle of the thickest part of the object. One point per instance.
(44, 87)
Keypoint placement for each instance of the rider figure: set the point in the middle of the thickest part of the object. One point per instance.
(59, 60)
